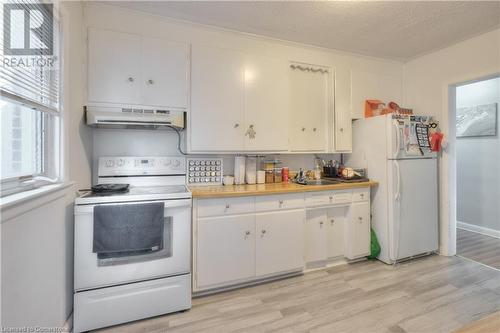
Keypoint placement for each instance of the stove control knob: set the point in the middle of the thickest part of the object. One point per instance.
(121, 162)
(110, 163)
(167, 162)
(177, 163)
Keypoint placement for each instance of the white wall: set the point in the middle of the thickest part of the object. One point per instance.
(478, 162)
(427, 90)
(37, 261)
(134, 142)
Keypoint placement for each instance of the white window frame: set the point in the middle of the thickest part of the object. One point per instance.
(52, 123)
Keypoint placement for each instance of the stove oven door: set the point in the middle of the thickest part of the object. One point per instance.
(92, 272)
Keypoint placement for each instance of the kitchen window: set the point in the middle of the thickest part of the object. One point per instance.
(29, 100)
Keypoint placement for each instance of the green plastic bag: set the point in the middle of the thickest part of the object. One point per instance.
(374, 246)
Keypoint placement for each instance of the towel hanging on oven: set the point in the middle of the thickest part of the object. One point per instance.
(128, 229)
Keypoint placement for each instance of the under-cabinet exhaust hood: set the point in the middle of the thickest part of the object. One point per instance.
(118, 117)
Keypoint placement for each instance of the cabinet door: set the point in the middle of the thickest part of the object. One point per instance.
(335, 231)
(309, 107)
(357, 242)
(280, 241)
(342, 121)
(165, 72)
(315, 235)
(225, 250)
(114, 74)
(217, 99)
(266, 103)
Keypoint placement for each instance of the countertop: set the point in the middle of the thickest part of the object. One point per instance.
(270, 188)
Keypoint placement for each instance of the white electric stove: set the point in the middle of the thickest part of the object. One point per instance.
(137, 286)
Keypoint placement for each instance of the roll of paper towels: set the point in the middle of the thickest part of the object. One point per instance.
(239, 170)
(251, 170)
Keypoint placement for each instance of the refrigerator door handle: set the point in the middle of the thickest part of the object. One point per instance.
(398, 183)
(395, 151)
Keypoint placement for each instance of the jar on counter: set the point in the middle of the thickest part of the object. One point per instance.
(277, 175)
(269, 176)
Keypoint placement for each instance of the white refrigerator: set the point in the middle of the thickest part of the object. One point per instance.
(405, 203)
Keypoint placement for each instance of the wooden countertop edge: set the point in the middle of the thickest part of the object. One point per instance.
(266, 189)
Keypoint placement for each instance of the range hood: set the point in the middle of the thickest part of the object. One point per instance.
(121, 117)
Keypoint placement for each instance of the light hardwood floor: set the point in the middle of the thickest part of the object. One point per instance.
(432, 295)
(480, 248)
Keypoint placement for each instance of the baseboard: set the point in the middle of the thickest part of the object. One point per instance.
(68, 324)
(478, 229)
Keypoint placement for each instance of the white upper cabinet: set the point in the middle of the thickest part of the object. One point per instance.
(309, 97)
(132, 69)
(164, 72)
(368, 85)
(266, 103)
(217, 99)
(342, 127)
(114, 72)
(239, 101)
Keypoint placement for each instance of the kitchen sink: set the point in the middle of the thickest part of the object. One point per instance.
(320, 182)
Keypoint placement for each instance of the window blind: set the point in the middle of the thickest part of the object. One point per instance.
(30, 62)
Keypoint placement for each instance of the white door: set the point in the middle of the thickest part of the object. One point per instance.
(315, 235)
(413, 208)
(225, 250)
(309, 107)
(279, 241)
(114, 71)
(165, 72)
(335, 231)
(266, 103)
(357, 242)
(217, 99)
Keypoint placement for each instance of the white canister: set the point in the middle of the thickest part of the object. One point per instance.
(261, 177)
(251, 170)
(228, 180)
(239, 170)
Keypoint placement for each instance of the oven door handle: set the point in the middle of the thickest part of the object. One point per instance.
(173, 203)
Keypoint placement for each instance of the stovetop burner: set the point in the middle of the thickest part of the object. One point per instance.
(110, 188)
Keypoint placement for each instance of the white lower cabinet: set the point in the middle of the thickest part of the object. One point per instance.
(240, 240)
(225, 249)
(358, 231)
(315, 235)
(335, 236)
(279, 241)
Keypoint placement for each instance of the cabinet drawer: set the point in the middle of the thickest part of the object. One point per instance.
(279, 202)
(362, 194)
(225, 206)
(318, 199)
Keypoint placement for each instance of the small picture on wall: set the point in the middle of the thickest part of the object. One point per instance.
(479, 120)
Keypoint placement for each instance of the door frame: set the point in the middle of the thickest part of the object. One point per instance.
(448, 161)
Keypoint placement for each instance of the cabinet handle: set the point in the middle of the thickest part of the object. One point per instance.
(303, 129)
(130, 79)
(321, 224)
(362, 195)
(331, 221)
(236, 125)
(150, 81)
(227, 207)
(281, 202)
(360, 219)
(247, 233)
(331, 198)
(263, 232)
(314, 129)
(341, 129)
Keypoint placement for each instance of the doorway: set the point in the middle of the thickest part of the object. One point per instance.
(477, 152)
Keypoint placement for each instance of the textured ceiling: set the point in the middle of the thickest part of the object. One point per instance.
(398, 30)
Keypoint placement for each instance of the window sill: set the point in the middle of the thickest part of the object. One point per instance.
(17, 199)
